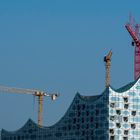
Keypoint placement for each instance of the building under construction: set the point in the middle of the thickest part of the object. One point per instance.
(112, 115)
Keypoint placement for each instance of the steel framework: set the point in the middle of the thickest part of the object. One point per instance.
(133, 30)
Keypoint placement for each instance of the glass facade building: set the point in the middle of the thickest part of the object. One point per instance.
(113, 115)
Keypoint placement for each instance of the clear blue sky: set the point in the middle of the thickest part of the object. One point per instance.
(58, 46)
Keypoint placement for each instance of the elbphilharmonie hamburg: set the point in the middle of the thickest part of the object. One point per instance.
(113, 115)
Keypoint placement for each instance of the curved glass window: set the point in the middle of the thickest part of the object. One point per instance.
(112, 111)
(131, 93)
(136, 100)
(115, 99)
(119, 119)
(118, 132)
(135, 132)
(136, 106)
(111, 124)
(137, 87)
(119, 105)
(135, 119)
(126, 112)
(126, 126)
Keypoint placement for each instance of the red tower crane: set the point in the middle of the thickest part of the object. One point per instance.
(133, 30)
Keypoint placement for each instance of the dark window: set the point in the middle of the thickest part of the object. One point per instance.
(125, 132)
(125, 138)
(125, 119)
(118, 125)
(112, 118)
(112, 105)
(112, 138)
(118, 112)
(125, 99)
(133, 126)
(111, 131)
(133, 113)
(126, 106)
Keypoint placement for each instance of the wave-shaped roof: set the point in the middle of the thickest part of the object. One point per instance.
(125, 87)
(80, 97)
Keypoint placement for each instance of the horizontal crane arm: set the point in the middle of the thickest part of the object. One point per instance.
(18, 90)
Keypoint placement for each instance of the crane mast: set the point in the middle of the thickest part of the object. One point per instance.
(134, 33)
(107, 60)
(38, 93)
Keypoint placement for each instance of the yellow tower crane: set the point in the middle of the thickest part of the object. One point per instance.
(107, 60)
(38, 93)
